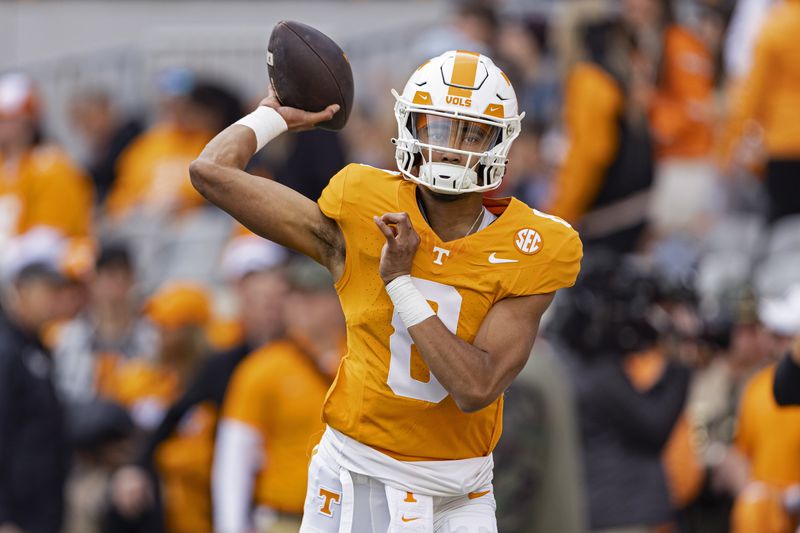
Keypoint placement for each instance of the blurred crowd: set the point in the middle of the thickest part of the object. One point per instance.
(163, 369)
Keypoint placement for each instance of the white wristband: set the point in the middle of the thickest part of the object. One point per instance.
(266, 123)
(408, 301)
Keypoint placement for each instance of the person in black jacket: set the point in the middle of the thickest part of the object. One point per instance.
(605, 321)
(787, 377)
(33, 447)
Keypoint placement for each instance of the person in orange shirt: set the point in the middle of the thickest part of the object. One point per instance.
(603, 184)
(271, 415)
(768, 436)
(39, 184)
(181, 311)
(769, 103)
(152, 172)
(682, 118)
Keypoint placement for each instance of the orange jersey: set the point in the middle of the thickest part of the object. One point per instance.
(769, 435)
(593, 105)
(278, 391)
(44, 188)
(384, 395)
(154, 171)
(770, 94)
(184, 459)
(687, 84)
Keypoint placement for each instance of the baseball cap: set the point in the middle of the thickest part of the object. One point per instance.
(250, 253)
(177, 304)
(18, 97)
(782, 315)
(37, 252)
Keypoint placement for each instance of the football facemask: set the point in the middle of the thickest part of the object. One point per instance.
(456, 118)
(450, 149)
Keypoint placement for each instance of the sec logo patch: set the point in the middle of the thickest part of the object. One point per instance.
(528, 241)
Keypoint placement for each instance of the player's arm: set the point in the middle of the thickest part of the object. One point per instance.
(264, 206)
(476, 373)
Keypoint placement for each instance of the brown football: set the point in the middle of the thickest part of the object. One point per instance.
(309, 71)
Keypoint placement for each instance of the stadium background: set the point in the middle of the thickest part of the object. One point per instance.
(710, 299)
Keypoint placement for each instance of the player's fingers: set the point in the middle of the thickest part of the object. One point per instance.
(322, 116)
(386, 230)
(402, 221)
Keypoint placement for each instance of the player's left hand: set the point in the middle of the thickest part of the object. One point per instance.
(401, 245)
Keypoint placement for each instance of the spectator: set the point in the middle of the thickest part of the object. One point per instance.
(39, 185)
(251, 265)
(180, 311)
(109, 331)
(768, 436)
(604, 182)
(683, 120)
(102, 435)
(33, 447)
(523, 48)
(153, 170)
(770, 100)
(105, 133)
(624, 425)
(261, 454)
(739, 348)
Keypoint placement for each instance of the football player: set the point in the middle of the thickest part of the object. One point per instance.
(442, 290)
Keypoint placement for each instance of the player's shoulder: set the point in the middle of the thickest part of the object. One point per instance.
(536, 231)
(362, 188)
(358, 174)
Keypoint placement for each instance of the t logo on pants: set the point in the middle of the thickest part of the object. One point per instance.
(328, 496)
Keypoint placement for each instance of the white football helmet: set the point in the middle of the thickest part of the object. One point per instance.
(456, 120)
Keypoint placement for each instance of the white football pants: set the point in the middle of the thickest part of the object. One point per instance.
(340, 501)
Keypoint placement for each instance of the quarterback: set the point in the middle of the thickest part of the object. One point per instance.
(442, 290)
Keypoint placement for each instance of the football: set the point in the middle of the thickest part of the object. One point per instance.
(309, 71)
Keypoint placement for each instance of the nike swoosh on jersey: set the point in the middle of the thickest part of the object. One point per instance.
(497, 260)
(404, 519)
(475, 495)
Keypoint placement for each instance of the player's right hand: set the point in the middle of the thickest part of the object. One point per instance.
(297, 119)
